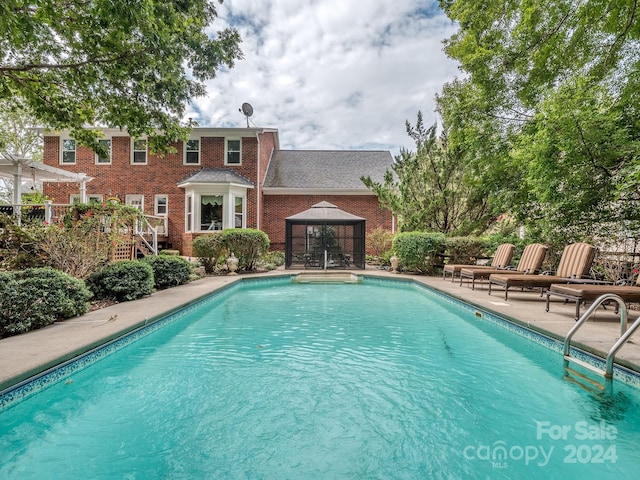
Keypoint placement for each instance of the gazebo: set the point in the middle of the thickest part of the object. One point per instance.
(325, 237)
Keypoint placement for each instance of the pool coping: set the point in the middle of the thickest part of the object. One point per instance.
(179, 300)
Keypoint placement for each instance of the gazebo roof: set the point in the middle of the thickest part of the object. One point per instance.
(324, 212)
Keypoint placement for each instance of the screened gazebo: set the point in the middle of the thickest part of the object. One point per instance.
(325, 237)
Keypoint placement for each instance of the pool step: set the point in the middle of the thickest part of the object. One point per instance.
(584, 381)
(326, 277)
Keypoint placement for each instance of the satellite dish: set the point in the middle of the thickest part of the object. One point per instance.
(247, 109)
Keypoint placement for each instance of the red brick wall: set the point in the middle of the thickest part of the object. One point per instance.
(158, 177)
(162, 173)
(278, 207)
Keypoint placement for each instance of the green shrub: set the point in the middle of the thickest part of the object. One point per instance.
(494, 240)
(465, 250)
(5, 277)
(122, 281)
(272, 260)
(247, 245)
(210, 249)
(37, 297)
(169, 271)
(21, 245)
(385, 258)
(418, 251)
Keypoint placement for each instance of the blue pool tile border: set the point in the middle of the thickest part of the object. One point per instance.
(33, 385)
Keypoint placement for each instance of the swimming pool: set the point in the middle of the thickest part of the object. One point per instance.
(277, 380)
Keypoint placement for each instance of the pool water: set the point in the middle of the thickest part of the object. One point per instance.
(277, 381)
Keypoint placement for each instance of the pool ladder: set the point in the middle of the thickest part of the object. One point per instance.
(624, 335)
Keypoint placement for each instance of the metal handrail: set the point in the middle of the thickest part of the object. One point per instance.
(585, 316)
(624, 333)
(621, 341)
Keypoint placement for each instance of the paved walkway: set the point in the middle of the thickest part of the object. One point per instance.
(25, 355)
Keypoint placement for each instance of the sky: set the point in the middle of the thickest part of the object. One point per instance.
(331, 74)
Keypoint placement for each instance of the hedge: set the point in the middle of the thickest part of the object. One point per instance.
(169, 271)
(122, 281)
(419, 251)
(210, 249)
(37, 297)
(247, 244)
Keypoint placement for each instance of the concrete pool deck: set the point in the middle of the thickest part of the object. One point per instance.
(25, 355)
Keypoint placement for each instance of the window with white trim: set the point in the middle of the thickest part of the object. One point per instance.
(139, 151)
(192, 151)
(101, 159)
(161, 203)
(189, 214)
(135, 200)
(68, 154)
(75, 198)
(238, 212)
(233, 147)
(215, 207)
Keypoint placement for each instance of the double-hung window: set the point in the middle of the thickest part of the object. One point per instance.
(192, 151)
(102, 158)
(161, 204)
(238, 212)
(189, 213)
(233, 149)
(68, 151)
(139, 151)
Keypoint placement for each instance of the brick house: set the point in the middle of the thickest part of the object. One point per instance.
(220, 178)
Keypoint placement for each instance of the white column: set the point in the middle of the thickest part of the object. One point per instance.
(83, 189)
(48, 211)
(17, 184)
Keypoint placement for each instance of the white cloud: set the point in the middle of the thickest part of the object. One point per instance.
(332, 74)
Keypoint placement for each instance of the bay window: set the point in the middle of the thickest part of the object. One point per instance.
(214, 208)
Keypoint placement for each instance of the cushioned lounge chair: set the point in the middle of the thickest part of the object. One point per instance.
(530, 263)
(574, 265)
(587, 293)
(501, 259)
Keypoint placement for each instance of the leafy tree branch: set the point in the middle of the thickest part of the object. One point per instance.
(133, 64)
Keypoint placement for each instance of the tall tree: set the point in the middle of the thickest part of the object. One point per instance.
(123, 63)
(428, 189)
(554, 84)
(18, 135)
(19, 138)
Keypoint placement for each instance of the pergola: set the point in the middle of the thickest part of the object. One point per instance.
(22, 170)
(325, 237)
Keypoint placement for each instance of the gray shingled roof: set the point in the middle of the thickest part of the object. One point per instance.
(216, 175)
(324, 211)
(326, 169)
